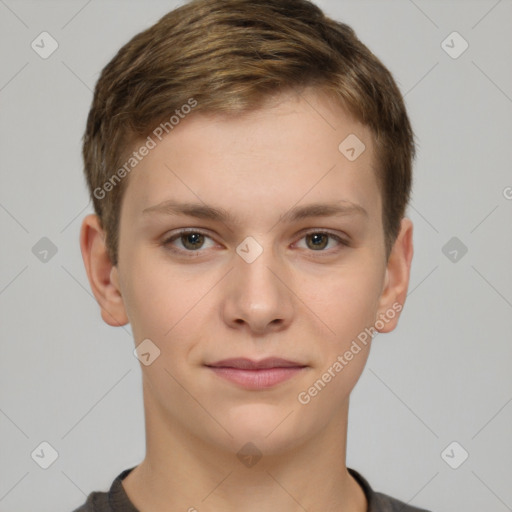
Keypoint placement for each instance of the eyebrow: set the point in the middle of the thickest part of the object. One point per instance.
(203, 211)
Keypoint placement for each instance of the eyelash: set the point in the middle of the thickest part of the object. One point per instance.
(177, 235)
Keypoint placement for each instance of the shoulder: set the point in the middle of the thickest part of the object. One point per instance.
(385, 503)
(379, 502)
(96, 502)
(113, 500)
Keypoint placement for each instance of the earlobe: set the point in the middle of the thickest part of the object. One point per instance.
(396, 281)
(102, 275)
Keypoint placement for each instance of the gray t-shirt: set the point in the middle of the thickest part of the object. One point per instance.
(116, 500)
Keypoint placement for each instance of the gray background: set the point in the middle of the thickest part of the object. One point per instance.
(442, 376)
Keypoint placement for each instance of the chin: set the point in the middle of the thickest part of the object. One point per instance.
(272, 429)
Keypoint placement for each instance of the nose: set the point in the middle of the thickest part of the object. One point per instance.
(258, 296)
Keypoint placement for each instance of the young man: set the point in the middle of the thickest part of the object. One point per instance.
(250, 165)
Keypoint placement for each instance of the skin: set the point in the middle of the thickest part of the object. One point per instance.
(295, 301)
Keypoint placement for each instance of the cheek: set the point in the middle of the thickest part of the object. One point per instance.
(168, 306)
(347, 304)
(345, 300)
(154, 299)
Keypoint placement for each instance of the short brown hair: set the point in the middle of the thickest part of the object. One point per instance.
(229, 56)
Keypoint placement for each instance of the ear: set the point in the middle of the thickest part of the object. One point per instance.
(103, 276)
(396, 280)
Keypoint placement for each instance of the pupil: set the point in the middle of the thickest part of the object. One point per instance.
(318, 240)
(193, 239)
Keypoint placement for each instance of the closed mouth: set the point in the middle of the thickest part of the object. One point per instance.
(248, 364)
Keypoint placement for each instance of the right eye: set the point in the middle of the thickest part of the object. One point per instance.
(190, 240)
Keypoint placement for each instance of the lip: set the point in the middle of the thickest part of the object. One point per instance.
(255, 375)
(243, 363)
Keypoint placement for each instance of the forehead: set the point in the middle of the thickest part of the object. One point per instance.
(298, 148)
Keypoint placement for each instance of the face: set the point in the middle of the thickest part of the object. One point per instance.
(252, 255)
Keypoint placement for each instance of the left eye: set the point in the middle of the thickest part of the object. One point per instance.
(319, 240)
